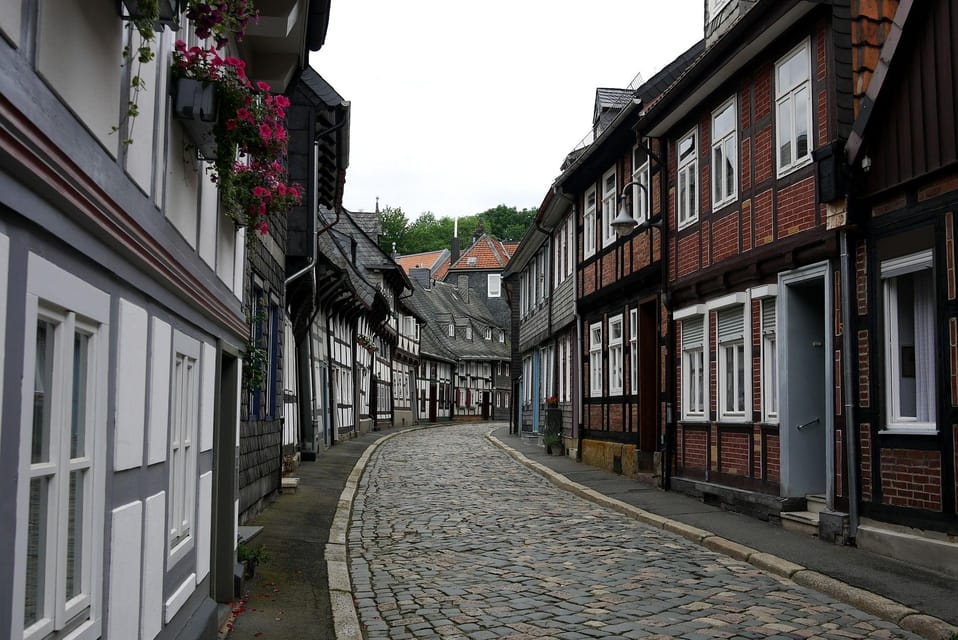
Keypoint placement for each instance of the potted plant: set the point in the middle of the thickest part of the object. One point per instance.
(250, 557)
(159, 14)
(241, 128)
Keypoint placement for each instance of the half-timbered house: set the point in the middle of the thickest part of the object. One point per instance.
(123, 324)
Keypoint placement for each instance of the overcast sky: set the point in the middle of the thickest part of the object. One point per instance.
(460, 106)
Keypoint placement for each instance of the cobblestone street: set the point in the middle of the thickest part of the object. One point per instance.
(451, 538)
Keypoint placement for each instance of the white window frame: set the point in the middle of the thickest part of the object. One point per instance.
(925, 380)
(727, 147)
(786, 99)
(570, 246)
(695, 365)
(687, 209)
(634, 351)
(641, 175)
(732, 359)
(610, 183)
(468, 332)
(588, 225)
(616, 368)
(184, 431)
(493, 285)
(451, 330)
(73, 305)
(595, 359)
(768, 295)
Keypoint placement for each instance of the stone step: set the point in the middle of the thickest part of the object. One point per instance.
(801, 522)
(815, 502)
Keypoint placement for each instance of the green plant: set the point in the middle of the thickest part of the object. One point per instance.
(551, 439)
(250, 134)
(249, 553)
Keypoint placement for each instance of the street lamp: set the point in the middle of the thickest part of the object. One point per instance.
(624, 223)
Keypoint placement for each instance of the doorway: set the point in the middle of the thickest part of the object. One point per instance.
(648, 377)
(806, 386)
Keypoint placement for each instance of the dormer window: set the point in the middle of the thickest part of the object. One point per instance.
(452, 330)
(468, 333)
(471, 261)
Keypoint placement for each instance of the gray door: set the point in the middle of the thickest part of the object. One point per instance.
(804, 385)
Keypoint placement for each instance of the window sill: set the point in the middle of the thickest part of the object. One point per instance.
(798, 164)
(695, 419)
(685, 225)
(909, 431)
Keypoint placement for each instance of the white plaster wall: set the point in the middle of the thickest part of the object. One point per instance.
(123, 612)
(239, 263)
(79, 53)
(154, 539)
(161, 358)
(182, 184)
(10, 21)
(141, 152)
(130, 386)
(204, 526)
(207, 396)
(209, 212)
(164, 45)
(226, 251)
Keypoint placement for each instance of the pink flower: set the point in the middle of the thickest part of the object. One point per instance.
(265, 132)
(294, 192)
(282, 101)
(263, 228)
(260, 192)
(280, 134)
(262, 86)
(281, 188)
(231, 124)
(243, 114)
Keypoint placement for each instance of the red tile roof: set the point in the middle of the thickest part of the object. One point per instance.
(486, 253)
(425, 260)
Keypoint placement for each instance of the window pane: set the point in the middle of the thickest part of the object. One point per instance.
(33, 605)
(785, 133)
(801, 101)
(686, 147)
(683, 189)
(74, 575)
(691, 192)
(42, 392)
(908, 403)
(729, 166)
(81, 347)
(724, 122)
(718, 164)
(729, 378)
(740, 371)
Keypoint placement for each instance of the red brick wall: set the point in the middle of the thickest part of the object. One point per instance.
(756, 313)
(864, 393)
(616, 417)
(911, 478)
(757, 451)
(764, 226)
(865, 436)
(839, 459)
(725, 237)
(734, 453)
(861, 278)
(694, 448)
(764, 160)
(588, 279)
(763, 91)
(796, 208)
(688, 254)
(608, 268)
(773, 459)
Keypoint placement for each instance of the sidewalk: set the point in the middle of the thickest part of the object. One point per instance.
(847, 570)
(290, 596)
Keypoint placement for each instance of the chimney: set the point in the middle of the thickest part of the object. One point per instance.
(421, 277)
(454, 254)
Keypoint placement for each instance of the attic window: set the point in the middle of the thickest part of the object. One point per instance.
(471, 261)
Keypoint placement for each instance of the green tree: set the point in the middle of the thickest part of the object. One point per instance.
(507, 223)
(394, 226)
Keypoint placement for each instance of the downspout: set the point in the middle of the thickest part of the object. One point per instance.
(852, 481)
(576, 390)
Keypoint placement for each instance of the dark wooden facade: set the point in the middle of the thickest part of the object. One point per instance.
(905, 205)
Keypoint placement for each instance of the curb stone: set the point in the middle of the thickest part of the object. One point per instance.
(926, 626)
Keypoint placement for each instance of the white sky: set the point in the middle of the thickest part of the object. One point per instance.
(460, 106)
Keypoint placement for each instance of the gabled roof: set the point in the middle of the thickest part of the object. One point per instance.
(443, 303)
(431, 260)
(485, 254)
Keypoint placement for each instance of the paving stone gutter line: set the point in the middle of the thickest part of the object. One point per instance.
(346, 620)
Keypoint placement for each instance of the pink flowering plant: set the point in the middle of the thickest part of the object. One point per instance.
(250, 134)
(221, 20)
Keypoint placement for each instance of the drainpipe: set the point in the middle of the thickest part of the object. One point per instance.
(576, 406)
(852, 480)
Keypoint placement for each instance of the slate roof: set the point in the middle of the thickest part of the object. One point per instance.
(485, 254)
(443, 303)
(368, 221)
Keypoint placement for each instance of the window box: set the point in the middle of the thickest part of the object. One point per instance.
(168, 16)
(195, 106)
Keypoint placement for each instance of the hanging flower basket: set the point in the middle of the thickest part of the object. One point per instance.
(165, 14)
(195, 106)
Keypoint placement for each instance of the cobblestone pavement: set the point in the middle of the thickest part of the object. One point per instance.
(451, 538)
